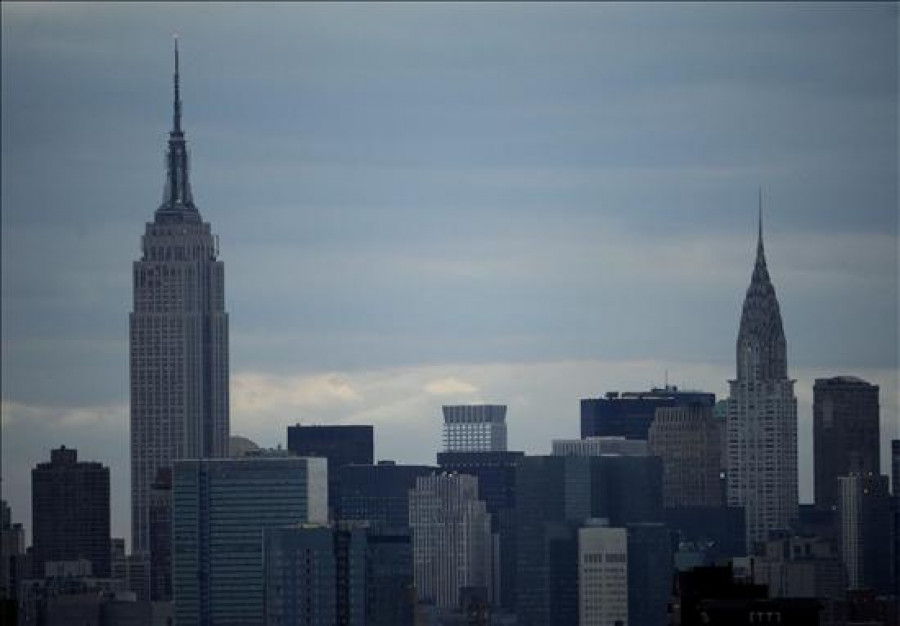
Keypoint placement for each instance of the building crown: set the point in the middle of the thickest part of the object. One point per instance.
(761, 345)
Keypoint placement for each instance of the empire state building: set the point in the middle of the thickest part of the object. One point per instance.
(761, 454)
(178, 337)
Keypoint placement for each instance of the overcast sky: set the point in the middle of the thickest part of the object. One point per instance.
(426, 204)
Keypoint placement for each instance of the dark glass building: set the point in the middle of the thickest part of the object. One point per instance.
(895, 466)
(220, 508)
(866, 529)
(629, 414)
(553, 498)
(341, 445)
(70, 512)
(390, 590)
(651, 569)
(337, 575)
(627, 489)
(161, 536)
(845, 433)
(378, 494)
(496, 473)
(315, 575)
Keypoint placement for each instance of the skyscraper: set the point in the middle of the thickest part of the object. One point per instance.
(315, 574)
(630, 413)
(845, 433)
(475, 428)
(496, 473)
(341, 444)
(864, 507)
(220, 508)
(378, 494)
(762, 414)
(602, 575)
(553, 498)
(70, 512)
(178, 337)
(160, 547)
(451, 534)
(687, 440)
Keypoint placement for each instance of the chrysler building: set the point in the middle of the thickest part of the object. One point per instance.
(762, 414)
(178, 337)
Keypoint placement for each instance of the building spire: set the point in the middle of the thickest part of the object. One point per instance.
(761, 351)
(176, 122)
(177, 202)
(759, 244)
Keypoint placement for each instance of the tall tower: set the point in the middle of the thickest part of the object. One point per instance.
(178, 337)
(762, 413)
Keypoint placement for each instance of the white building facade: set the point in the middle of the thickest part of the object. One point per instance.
(602, 576)
(178, 338)
(451, 537)
(761, 438)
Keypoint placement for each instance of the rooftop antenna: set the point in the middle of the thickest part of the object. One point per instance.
(760, 233)
(177, 108)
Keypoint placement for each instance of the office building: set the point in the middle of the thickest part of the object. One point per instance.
(12, 561)
(378, 494)
(341, 445)
(338, 575)
(626, 486)
(315, 575)
(220, 508)
(496, 473)
(178, 337)
(451, 535)
(864, 510)
(845, 433)
(762, 414)
(553, 499)
(651, 567)
(895, 466)
(596, 446)
(630, 414)
(627, 489)
(602, 575)
(475, 428)
(688, 441)
(391, 591)
(70, 512)
(160, 547)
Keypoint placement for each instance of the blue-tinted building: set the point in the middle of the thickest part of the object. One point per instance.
(651, 571)
(379, 493)
(629, 414)
(627, 489)
(220, 508)
(338, 575)
(315, 575)
(391, 592)
(553, 498)
(341, 445)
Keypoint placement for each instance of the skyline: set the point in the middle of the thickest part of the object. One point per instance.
(431, 249)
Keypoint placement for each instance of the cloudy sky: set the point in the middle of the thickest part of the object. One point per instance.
(426, 204)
